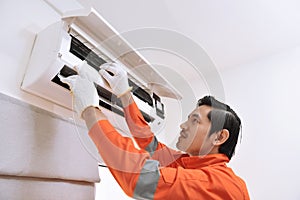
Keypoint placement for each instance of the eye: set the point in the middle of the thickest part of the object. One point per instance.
(195, 121)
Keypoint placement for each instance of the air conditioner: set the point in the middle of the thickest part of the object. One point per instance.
(87, 36)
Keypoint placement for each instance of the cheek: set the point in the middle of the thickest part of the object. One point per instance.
(194, 140)
(199, 137)
(184, 143)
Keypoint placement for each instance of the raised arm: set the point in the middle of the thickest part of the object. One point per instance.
(130, 166)
(117, 78)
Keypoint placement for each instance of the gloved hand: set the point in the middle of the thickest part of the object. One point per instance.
(88, 72)
(118, 81)
(83, 91)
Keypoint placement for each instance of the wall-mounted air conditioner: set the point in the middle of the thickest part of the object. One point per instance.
(87, 36)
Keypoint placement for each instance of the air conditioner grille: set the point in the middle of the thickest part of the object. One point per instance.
(114, 104)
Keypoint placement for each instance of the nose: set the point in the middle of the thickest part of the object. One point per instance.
(183, 125)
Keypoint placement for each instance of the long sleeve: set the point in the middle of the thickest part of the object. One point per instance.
(125, 162)
(145, 138)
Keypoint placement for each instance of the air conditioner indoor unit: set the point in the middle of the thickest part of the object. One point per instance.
(87, 36)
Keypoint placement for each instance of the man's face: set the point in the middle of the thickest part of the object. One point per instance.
(194, 132)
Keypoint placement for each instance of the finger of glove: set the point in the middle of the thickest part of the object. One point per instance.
(90, 73)
(106, 75)
(110, 67)
(82, 69)
(70, 81)
(79, 66)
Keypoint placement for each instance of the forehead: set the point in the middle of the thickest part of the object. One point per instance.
(201, 111)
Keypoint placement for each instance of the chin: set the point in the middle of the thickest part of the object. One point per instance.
(180, 147)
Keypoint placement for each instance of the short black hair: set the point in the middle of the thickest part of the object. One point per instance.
(223, 117)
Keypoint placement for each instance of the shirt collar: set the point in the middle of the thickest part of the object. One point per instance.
(194, 162)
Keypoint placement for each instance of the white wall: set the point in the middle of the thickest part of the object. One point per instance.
(20, 21)
(108, 188)
(266, 95)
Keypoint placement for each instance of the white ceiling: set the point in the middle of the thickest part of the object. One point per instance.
(232, 32)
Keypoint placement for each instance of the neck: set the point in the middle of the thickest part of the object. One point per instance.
(214, 150)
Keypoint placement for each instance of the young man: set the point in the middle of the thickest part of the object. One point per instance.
(154, 171)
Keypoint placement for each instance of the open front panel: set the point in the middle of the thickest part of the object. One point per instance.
(107, 99)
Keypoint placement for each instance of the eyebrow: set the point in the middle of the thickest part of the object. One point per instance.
(195, 115)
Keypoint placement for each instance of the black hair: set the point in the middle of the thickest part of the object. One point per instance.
(223, 117)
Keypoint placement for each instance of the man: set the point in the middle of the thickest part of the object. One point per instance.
(154, 171)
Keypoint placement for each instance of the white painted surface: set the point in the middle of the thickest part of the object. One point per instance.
(109, 188)
(233, 32)
(17, 39)
(16, 188)
(266, 95)
(37, 143)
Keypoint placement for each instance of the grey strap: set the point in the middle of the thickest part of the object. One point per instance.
(147, 182)
(152, 146)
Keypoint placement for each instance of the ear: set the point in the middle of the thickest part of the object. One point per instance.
(220, 137)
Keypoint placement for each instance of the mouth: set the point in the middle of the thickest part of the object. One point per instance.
(180, 141)
(183, 134)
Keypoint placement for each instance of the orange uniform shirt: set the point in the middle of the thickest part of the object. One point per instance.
(157, 172)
